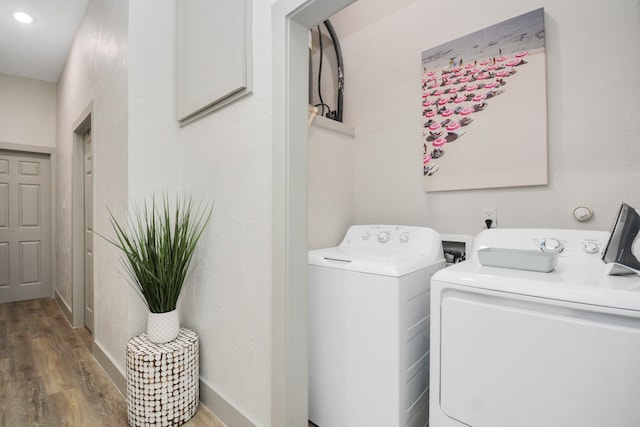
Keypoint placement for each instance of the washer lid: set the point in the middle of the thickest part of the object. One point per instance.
(388, 250)
(379, 262)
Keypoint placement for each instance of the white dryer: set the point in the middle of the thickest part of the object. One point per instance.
(369, 327)
(530, 349)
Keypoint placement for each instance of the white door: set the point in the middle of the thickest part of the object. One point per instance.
(88, 231)
(25, 226)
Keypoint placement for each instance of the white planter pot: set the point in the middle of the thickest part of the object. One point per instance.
(163, 327)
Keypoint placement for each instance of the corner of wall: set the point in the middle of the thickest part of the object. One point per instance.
(221, 408)
(116, 376)
(64, 307)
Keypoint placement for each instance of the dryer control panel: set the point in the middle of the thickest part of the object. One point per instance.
(573, 246)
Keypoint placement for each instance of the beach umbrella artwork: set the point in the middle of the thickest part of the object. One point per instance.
(465, 121)
(432, 136)
(439, 142)
(438, 151)
(452, 136)
(431, 169)
(453, 126)
(487, 75)
(490, 94)
(486, 99)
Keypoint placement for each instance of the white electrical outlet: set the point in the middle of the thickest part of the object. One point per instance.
(490, 213)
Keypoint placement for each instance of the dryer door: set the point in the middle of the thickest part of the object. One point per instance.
(510, 360)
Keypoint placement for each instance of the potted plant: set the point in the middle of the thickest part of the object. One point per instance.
(158, 242)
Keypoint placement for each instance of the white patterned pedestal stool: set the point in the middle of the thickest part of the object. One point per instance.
(163, 386)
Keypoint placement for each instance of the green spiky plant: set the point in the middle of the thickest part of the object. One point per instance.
(158, 243)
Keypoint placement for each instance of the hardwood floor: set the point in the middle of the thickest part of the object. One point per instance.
(48, 376)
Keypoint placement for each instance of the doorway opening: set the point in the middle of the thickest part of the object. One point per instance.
(291, 21)
(82, 223)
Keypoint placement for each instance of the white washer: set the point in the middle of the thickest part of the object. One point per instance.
(369, 327)
(530, 349)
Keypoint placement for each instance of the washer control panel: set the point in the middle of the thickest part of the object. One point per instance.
(385, 234)
(390, 237)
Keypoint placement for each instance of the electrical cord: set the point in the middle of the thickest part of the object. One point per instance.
(321, 104)
(337, 114)
(488, 222)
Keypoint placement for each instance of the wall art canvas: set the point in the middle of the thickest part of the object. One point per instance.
(484, 108)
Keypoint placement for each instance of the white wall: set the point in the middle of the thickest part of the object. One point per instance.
(155, 151)
(594, 155)
(96, 73)
(331, 198)
(123, 65)
(224, 157)
(27, 111)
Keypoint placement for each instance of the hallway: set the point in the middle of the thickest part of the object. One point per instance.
(48, 376)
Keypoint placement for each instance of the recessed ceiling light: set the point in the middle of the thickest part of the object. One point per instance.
(25, 18)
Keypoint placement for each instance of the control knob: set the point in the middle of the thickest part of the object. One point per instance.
(551, 245)
(591, 247)
(383, 237)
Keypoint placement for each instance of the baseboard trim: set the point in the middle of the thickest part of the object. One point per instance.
(114, 374)
(66, 311)
(222, 409)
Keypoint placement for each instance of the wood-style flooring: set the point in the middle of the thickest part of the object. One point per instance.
(48, 376)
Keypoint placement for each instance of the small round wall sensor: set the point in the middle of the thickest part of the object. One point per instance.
(582, 213)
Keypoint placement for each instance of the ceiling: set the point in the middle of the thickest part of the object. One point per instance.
(38, 50)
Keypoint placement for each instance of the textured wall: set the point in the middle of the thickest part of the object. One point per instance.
(223, 157)
(594, 155)
(27, 111)
(96, 72)
(331, 184)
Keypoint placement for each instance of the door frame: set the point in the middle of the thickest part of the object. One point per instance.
(290, 22)
(80, 127)
(51, 152)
